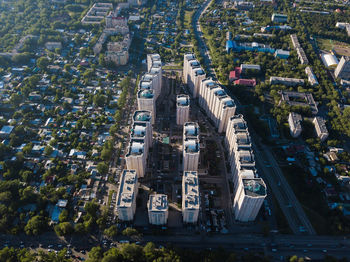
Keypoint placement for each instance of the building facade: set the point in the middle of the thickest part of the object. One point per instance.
(136, 156)
(343, 68)
(249, 198)
(294, 121)
(182, 109)
(126, 196)
(190, 197)
(157, 209)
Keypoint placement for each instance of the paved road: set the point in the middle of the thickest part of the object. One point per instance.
(314, 247)
(290, 206)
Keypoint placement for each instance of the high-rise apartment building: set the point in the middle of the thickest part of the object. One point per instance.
(139, 131)
(343, 68)
(182, 109)
(187, 59)
(191, 130)
(249, 198)
(197, 76)
(191, 147)
(191, 152)
(243, 160)
(136, 156)
(126, 196)
(157, 209)
(153, 59)
(190, 197)
(146, 118)
(146, 101)
(206, 84)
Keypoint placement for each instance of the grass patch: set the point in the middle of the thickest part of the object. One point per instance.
(172, 67)
(340, 48)
(187, 19)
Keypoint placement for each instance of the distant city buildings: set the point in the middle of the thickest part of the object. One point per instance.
(126, 195)
(311, 76)
(157, 209)
(342, 70)
(276, 80)
(345, 26)
(182, 109)
(236, 74)
(233, 46)
(294, 121)
(275, 27)
(283, 54)
(299, 99)
(53, 45)
(279, 18)
(320, 127)
(117, 51)
(243, 5)
(190, 197)
(300, 51)
(97, 13)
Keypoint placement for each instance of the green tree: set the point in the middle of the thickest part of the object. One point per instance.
(42, 63)
(63, 229)
(130, 232)
(111, 232)
(102, 168)
(36, 225)
(95, 254)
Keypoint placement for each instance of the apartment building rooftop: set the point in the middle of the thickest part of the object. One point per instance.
(191, 145)
(142, 116)
(145, 84)
(157, 202)
(199, 72)
(138, 129)
(191, 129)
(254, 187)
(155, 57)
(126, 194)
(296, 120)
(189, 57)
(195, 64)
(321, 123)
(220, 93)
(136, 147)
(228, 103)
(245, 157)
(183, 100)
(148, 94)
(238, 122)
(191, 190)
(243, 138)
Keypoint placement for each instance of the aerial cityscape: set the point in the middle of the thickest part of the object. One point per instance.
(179, 130)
